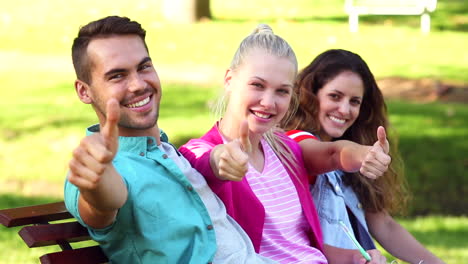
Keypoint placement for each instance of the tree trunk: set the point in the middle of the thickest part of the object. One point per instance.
(186, 11)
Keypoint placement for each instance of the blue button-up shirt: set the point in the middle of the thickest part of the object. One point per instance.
(163, 220)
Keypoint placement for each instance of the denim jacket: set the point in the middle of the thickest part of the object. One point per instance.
(331, 197)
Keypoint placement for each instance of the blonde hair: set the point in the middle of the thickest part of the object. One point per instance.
(263, 38)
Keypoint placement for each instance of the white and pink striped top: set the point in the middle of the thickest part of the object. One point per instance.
(284, 238)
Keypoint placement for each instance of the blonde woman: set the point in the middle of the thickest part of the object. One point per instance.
(255, 169)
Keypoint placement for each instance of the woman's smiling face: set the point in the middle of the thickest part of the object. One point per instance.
(260, 91)
(340, 102)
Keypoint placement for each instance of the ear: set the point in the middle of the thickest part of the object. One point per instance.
(83, 92)
(227, 80)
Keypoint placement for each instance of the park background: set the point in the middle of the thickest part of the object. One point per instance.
(423, 76)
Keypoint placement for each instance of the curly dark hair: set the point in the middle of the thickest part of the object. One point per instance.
(388, 192)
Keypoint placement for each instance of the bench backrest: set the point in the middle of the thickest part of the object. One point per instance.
(42, 229)
(355, 8)
(390, 7)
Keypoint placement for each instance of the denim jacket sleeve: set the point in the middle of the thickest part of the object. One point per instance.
(331, 197)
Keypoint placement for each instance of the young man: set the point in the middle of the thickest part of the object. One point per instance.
(139, 198)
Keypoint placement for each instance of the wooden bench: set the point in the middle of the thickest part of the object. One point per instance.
(354, 8)
(43, 228)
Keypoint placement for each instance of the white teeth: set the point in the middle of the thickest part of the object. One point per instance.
(335, 119)
(140, 103)
(262, 115)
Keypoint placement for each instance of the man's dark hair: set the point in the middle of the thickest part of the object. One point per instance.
(102, 28)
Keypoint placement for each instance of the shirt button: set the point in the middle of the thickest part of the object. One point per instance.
(209, 227)
(164, 156)
(337, 188)
(142, 154)
(150, 141)
(359, 205)
(190, 188)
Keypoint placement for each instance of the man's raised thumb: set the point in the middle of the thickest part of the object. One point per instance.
(110, 129)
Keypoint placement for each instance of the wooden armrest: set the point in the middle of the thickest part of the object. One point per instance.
(34, 214)
(38, 232)
(46, 235)
(88, 255)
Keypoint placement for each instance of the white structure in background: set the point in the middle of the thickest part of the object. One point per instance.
(354, 8)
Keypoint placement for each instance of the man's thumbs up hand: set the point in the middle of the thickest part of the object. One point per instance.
(93, 157)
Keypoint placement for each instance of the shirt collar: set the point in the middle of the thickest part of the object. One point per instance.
(133, 144)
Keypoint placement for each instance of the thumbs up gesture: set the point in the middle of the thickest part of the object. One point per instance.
(377, 160)
(230, 161)
(93, 157)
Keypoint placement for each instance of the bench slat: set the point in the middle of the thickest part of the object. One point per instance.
(355, 8)
(34, 214)
(386, 10)
(46, 235)
(87, 255)
(38, 232)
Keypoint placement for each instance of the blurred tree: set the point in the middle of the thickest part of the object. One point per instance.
(186, 11)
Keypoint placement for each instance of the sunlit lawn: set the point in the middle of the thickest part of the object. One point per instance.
(444, 236)
(392, 45)
(42, 120)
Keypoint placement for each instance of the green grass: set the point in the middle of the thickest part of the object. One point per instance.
(392, 45)
(442, 235)
(42, 120)
(433, 146)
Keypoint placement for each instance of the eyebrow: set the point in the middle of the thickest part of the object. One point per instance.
(337, 91)
(120, 70)
(282, 85)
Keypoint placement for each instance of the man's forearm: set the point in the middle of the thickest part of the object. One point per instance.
(98, 207)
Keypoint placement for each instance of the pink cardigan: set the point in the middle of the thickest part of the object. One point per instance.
(239, 199)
